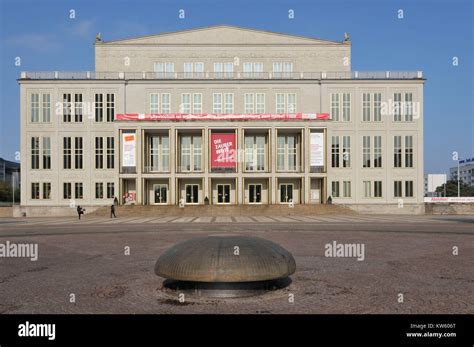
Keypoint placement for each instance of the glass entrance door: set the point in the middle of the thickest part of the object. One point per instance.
(223, 193)
(192, 193)
(286, 193)
(160, 193)
(255, 193)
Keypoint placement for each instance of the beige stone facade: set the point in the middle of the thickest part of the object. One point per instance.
(373, 153)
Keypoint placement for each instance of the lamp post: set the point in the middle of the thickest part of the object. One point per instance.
(13, 189)
(459, 187)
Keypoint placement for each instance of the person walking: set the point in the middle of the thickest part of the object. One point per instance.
(112, 211)
(115, 201)
(80, 211)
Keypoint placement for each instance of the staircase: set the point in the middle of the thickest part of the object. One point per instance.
(217, 211)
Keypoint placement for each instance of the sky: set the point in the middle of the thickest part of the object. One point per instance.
(430, 34)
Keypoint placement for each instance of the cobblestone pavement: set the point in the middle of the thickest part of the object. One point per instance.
(409, 255)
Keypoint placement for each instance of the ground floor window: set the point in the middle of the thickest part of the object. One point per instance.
(255, 193)
(286, 192)
(192, 193)
(160, 193)
(223, 193)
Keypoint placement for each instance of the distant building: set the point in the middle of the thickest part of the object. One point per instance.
(466, 171)
(9, 169)
(433, 181)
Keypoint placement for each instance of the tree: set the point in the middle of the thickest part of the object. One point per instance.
(6, 194)
(452, 189)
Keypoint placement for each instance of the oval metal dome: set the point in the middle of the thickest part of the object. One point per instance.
(214, 259)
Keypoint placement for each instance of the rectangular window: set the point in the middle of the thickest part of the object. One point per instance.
(228, 103)
(335, 106)
(409, 189)
(397, 189)
(287, 152)
(46, 153)
(367, 189)
(249, 103)
(408, 151)
(252, 70)
(346, 189)
(377, 151)
(291, 103)
(110, 107)
(35, 108)
(408, 107)
(67, 152)
(191, 152)
(335, 189)
(335, 151)
(188, 70)
(35, 190)
(197, 103)
(378, 189)
(366, 151)
(99, 153)
(397, 151)
(110, 190)
(159, 153)
(366, 107)
(78, 108)
(225, 70)
(346, 107)
(260, 103)
(46, 108)
(99, 108)
(346, 151)
(397, 104)
(35, 152)
(46, 190)
(217, 102)
(185, 103)
(164, 70)
(154, 103)
(99, 190)
(165, 103)
(110, 152)
(228, 70)
(282, 69)
(255, 157)
(78, 153)
(67, 109)
(280, 103)
(67, 190)
(78, 190)
(377, 107)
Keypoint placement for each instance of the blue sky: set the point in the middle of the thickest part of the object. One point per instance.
(431, 33)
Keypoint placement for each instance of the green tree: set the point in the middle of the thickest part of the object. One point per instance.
(452, 189)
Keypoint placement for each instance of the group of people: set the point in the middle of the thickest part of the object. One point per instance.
(80, 210)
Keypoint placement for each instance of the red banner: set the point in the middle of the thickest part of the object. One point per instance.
(223, 150)
(174, 117)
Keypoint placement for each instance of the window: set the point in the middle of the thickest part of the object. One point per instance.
(335, 151)
(154, 103)
(338, 108)
(99, 153)
(159, 153)
(397, 112)
(282, 69)
(255, 156)
(35, 150)
(408, 107)
(285, 103)
(109, 107)
(99, 190)
(35, 190)
(217, 102)
(228, 103)
(287, 147)
(371, 106)
(46, 108)
(409, 189)
(346, 189)
(191, 152)
(408, 151)
(35, 108)
(254, 103)
(47, 190)
(99, 108)
(185, 103)
(366, 151)
(67, 190)
(377, 151)
(110, 152)
(46, 153)
(78, 190)
(78, 153)
(249, 103)
(193, 70)
(335, 189)
(397, 189)
(164, 70)
(67, 153)
(188, 104)
(78, 108)
(197, 103)
(377, 107)
(165, 103)
(378, 189)
(252, 70)
(366, 107)
(67, 108)
(346, 151)
(260, 103)
(110, 190)
(397, 151)
(225, 70)
(367, 189)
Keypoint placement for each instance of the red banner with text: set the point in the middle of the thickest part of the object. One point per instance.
(175, 117)
(223, 150)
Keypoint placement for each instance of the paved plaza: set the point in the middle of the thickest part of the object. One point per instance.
(408, 267)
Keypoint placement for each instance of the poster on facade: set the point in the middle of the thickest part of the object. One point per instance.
(128, 149)
(183, 117)
(223, 150)
(317, 149)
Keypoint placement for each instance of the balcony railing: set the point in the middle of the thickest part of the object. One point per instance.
(342, 75)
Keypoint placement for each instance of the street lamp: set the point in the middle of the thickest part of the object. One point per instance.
(459, 187)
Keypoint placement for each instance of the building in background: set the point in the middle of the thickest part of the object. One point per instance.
(433, 181)
(10, 173)
(466, 171)
(222, 114)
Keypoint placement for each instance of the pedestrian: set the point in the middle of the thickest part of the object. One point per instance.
(80, 211)
(115, 201)
(112, 211)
